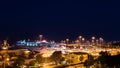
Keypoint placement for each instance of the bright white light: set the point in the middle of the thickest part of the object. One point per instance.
(44, 41)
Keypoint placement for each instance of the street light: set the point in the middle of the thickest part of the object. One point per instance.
(67, 40)
(77, 42)
(101, 40)
(93, 40)
(80, 38)
(6, 60)
(83, 39)
(41, 36)
(97, 41)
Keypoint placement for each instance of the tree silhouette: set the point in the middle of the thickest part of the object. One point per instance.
(32, 63)
(89, 62)
(104, 58)
(56, 57)
(18, 62)
(81, 58)
(39, 58)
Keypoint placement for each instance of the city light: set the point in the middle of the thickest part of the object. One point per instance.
(47, 48)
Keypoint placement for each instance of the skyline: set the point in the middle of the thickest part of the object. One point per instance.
(59, 19)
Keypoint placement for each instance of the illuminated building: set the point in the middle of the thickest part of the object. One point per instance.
(33, 43)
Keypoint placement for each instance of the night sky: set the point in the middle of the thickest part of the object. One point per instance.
(59, 19)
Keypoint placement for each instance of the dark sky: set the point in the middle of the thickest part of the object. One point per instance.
(59, 19)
